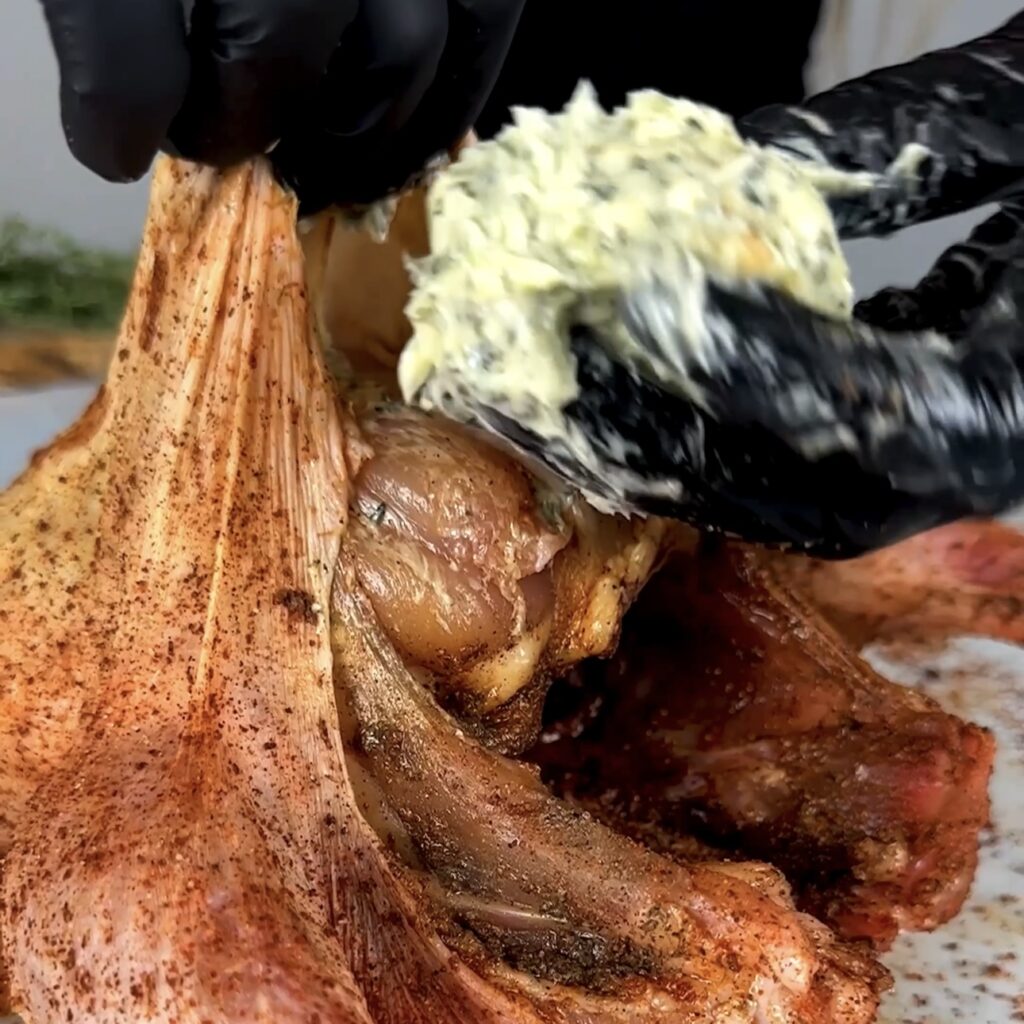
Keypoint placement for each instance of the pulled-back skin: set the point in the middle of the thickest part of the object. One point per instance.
(228, 794)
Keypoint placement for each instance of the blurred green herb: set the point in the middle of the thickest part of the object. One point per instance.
(49, 281)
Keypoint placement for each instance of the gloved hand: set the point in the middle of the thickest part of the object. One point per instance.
(833, 438)
(839, 438)
(944, 133)
(357, 94)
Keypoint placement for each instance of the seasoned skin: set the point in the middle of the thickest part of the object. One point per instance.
(964, 579)
(5, 981)
(733, 712)
(192, 849)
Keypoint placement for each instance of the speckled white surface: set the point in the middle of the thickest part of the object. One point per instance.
(972, 970)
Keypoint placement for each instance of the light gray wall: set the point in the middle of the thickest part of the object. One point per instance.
(40, 181)
(38, 178)
(879, 33)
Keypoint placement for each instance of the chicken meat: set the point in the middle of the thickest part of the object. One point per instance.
(733, 714)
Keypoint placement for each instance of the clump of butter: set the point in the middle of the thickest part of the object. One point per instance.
(549, 222)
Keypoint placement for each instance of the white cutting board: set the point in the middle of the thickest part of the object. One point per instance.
(970, 971)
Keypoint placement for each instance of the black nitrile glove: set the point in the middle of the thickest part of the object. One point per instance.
(841, 438)
(358, 95)
(962, 105)
(793, 429)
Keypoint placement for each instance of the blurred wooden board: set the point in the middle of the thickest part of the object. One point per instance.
(31, 359)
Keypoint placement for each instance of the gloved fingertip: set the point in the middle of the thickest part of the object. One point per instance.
(124, 71)
(117, 145)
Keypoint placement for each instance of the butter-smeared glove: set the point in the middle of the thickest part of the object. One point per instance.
(357, 94)
(784, 427)
(943, 133)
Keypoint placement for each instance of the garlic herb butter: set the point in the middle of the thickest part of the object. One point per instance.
(547, 224)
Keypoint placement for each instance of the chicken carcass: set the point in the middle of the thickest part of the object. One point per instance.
(734, 713)
(228, 791)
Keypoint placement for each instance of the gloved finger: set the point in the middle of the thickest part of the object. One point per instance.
(942, 133)
(679, 460)
(253, 62)
(375, 80)
(640, 447)
(931, 432)
(124, 70)
(382, 70)
(327, 168)
(959, 284)
(479, 38)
